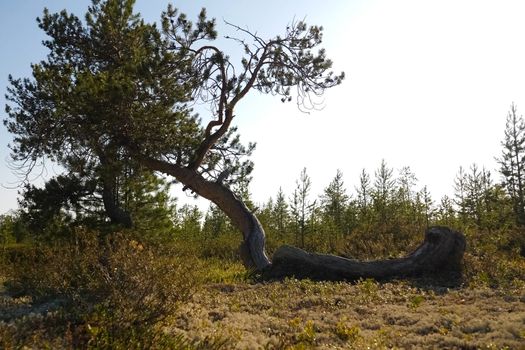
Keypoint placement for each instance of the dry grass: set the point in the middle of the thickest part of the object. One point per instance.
(323, 315)
(302, 315)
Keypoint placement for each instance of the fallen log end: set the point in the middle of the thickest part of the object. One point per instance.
(440, 253)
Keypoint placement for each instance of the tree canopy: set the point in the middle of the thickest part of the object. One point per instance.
(99, 79)
(114, 94)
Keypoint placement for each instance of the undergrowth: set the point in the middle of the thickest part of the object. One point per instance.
(116, 292)
(106, 293)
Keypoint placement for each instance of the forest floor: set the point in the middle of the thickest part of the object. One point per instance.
(295, 314)
(366, 315)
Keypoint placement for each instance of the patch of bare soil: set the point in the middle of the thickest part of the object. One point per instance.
(302, 315)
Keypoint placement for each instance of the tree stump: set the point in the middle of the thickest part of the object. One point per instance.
(441, 252)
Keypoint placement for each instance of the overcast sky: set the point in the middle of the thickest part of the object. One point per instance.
(429, 84)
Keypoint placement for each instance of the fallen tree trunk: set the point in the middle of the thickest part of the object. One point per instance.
(441, 252)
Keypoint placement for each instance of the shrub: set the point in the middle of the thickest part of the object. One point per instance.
(346, 332)
(113, 290)
(493, 259)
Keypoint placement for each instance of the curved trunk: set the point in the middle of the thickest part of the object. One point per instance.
(253, 247)
(441, 251)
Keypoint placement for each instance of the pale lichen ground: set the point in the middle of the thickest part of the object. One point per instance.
(304, 314)
(320, 315)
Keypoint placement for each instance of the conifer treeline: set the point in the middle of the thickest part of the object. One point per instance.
(386, 213)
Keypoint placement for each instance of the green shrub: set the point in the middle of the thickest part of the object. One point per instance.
(308, 334)
(492, 259)
(114, 290)
(346, 332)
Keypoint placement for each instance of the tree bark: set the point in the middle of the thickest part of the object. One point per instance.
(441, 252)
(252, 248)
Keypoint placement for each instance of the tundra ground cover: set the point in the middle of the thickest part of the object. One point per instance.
(232, 311)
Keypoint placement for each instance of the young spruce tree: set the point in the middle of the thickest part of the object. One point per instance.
(512, 162)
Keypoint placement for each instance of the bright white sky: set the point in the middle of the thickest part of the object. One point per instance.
(429, 84)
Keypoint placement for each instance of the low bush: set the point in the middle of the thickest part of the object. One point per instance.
(112, 291)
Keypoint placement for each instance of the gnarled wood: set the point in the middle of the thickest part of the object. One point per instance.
(441, 251)
(253, 252)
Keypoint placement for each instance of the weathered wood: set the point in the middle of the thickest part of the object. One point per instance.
(441, 252)
(253, 252)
